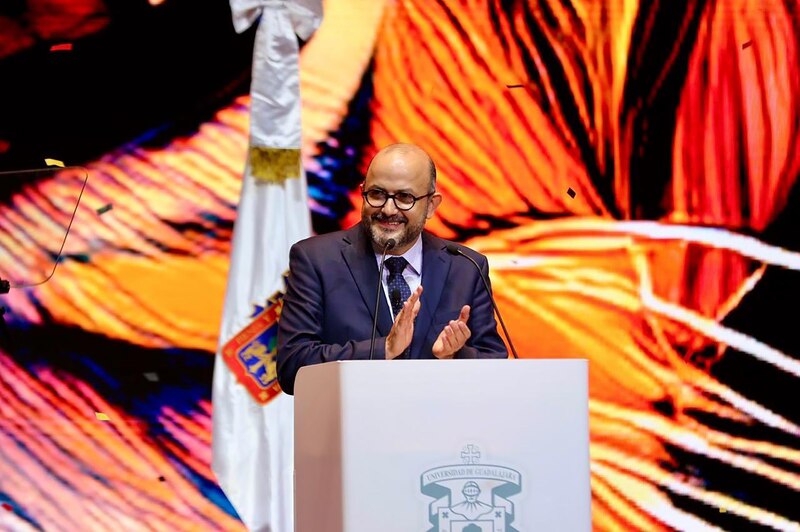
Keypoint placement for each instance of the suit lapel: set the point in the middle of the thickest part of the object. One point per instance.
(435, 268)
(360, 259)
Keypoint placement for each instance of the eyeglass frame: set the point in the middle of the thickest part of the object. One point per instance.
(392, 197)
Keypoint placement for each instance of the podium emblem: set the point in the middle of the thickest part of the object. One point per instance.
(471, 497)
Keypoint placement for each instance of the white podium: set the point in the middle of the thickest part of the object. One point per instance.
(442, 446)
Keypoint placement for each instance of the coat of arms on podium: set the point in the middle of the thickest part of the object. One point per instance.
(250, 354)
(471, 497)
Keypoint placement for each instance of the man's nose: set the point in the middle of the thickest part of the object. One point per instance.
(389, 208)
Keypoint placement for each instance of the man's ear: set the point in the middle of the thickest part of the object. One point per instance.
(436, 199)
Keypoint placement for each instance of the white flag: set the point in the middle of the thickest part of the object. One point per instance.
(253, 421)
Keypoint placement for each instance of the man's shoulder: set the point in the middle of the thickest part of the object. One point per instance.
(326, 241)
(445, 245)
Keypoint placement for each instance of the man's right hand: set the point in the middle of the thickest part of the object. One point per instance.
(403, 328)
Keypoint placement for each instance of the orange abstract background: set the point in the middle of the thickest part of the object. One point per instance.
(630, 169)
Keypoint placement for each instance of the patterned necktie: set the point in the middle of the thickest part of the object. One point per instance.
(399, 291)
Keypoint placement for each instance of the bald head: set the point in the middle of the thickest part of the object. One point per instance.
(410, 156)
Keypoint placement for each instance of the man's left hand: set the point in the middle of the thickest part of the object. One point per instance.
(453, 337)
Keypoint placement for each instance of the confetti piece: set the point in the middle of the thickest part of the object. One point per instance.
(530, 86)
(63, 47)
(152, 377)
(8, 507)
(53, 162)
(104, 209)
(746, 45)
(96, 244)
(571, 193)
(161, 479)
(101, 416)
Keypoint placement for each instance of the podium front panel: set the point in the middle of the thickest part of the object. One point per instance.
(453, 445)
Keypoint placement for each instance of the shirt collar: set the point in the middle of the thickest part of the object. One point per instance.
(413, 256)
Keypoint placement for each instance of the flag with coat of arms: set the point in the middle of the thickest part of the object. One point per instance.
(253, 421)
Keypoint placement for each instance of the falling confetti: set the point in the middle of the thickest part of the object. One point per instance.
(571, 193)
(96, 244)
(152, 377)
(746, 45)
(104, 209)
(7, 507)
(625, 384)
(54, 162)
(63, 47)
(101, 416)
(162, 479)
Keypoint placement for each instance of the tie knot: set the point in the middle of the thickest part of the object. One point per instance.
(396, 265)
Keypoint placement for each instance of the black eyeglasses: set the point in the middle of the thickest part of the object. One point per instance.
(404, 201)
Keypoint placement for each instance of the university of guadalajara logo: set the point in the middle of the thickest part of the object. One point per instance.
(250, 354)
(471, 497)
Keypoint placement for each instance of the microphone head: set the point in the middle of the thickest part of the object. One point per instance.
(453, 249)
(390, 244)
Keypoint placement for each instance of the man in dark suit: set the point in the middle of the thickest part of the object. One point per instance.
(329, 304)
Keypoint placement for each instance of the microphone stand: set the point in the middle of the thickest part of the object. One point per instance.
(389, 245)
(455, 250)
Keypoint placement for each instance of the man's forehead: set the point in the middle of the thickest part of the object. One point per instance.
(392, 187)
(402, 175)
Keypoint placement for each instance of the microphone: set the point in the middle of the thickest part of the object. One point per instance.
(455, 250)
(389, 245)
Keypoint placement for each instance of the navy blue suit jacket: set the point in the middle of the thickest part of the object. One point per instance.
(330, 300)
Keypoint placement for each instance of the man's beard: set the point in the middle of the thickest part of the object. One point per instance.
(408, 234)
